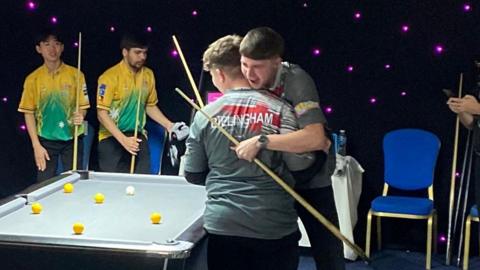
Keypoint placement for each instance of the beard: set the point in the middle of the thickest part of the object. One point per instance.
(136, 65)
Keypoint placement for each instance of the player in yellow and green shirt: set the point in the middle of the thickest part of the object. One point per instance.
(119, 89)
(48, 103)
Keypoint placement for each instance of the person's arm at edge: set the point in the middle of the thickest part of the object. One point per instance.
(108, 123)
(39, 151)
(466, 108)
(311, 138)
(80, 117)
(466, 119)
(156, 114)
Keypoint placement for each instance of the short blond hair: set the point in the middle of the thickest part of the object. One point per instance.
(224, 54)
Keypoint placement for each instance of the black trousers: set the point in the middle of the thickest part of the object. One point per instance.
(112, 157)
(62, 150)
(476, 178)
(327, 250)
(242, 253)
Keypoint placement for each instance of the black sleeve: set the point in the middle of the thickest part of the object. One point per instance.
(307, 174)
(196, 178)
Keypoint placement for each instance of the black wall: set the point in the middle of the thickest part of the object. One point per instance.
(368, 44)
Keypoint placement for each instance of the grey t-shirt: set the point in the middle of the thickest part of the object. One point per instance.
(242, 200)
(295, 86)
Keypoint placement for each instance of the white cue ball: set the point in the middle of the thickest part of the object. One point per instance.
(130, 190)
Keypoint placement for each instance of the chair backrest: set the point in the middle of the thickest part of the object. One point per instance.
(410, 156)
(156, 143)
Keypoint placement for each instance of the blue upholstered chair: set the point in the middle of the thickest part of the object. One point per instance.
(473, 216)
(157, 136)
(410, 156)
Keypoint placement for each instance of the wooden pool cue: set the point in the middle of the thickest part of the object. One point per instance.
(334, 230)
(137, 120)
(77, 103)
(448, 253)
(187, 70)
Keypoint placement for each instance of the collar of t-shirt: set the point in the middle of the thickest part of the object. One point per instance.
(127, 71)
(278, 77)
(55, 72)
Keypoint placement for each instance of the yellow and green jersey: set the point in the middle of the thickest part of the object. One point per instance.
(119, 90)
(51, 97)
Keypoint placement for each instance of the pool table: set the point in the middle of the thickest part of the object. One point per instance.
(118, 233)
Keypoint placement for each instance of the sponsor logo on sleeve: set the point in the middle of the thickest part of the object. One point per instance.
(304, 107)
(84, 90)
(101, 90)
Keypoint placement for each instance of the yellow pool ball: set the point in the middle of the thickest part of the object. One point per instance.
(78, 228)
(99, 198)
(36, 208)
(68, 188)
(155, 218)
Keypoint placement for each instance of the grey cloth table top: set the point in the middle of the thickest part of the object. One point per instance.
(121, 222)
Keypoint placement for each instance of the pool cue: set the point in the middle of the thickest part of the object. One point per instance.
(448, 253)
(286, 187)
(132, 161)
(77, 103)
(187, 70)
(465, 200)
(469, 169)
(466, 157)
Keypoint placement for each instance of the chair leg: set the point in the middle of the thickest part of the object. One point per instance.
(379, 233)
(368, 234)
(429, 243)
(466, 244)
(435, 232)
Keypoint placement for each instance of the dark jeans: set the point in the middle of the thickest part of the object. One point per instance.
(327, 250)
(112, 157)
(62, 150)
(242, 253)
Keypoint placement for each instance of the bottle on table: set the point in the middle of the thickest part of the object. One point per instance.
(342, 143)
